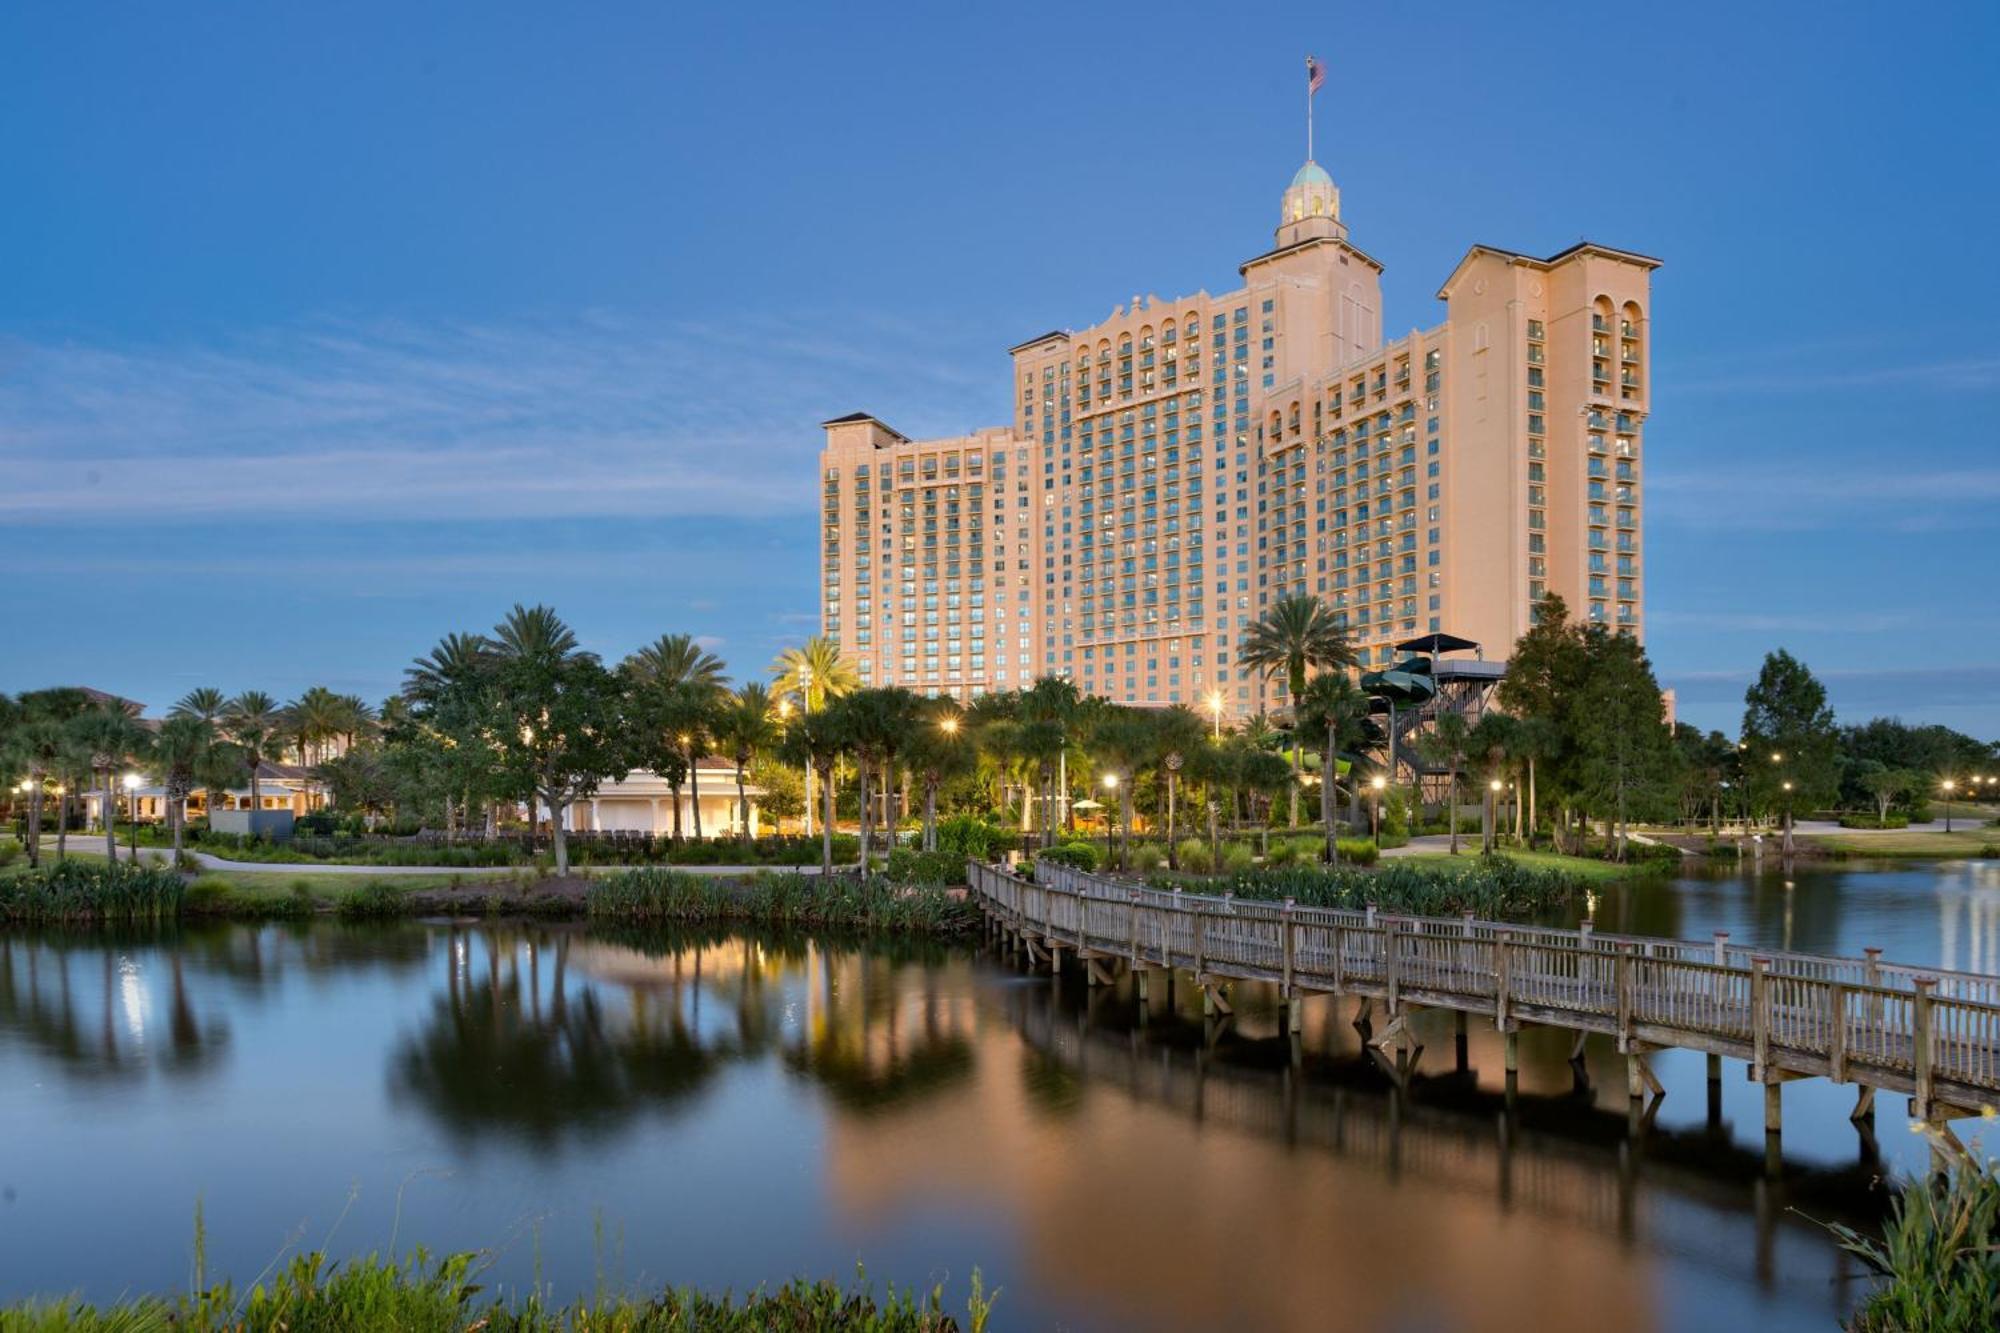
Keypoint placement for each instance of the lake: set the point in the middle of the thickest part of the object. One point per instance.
(633, 1108)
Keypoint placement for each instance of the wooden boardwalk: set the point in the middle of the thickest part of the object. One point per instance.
(1931, 1034)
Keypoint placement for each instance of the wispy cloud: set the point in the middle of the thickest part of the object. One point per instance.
(1836, 621)
(1870, 494)
(1977, 373)
(583, 418)
(1860, 692)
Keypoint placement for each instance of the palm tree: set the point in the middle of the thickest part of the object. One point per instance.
(819, 740)
(111, 738)
(689, 714)
(1051, 711)
(535, 633)
(940, 750)
(814, 673)
(747, 726)
(676, 659)
(252, 721)
(1125, 741)
(1536, 739)
(1333, 704)
(206, 703)
(1492, 739)
(1297, 634)
(182, 752)
(441, 690)
(1449, 738)
(1178, 732)
(455, 662)
(683, 683)
(42, 741)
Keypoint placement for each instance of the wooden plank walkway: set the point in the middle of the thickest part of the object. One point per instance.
(1933, 1035)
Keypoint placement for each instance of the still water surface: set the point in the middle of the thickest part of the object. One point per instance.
(729, 1109)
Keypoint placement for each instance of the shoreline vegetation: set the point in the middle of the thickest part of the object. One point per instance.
(918, 895)
(421, 1294)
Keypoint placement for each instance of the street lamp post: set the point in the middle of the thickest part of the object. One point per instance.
(1376, 784)
(1788, 816)
(1110, 818)
(1215, 712)
(1492, 814)
(1948, 786)
(132, 812)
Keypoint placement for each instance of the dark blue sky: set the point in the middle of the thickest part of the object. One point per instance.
(325, 330)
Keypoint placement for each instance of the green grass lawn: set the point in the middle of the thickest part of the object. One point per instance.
(1957, 843)
(280, 884)
(1583, 867)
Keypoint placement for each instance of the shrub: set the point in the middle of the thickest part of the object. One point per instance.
(1939, 1255)
(1282, 853)
(80, 890)
(968, 836)
(1146, 857)
(1237, 858)
(1194, 857)
(1895, 820)
(1081, 855)
(1491, 886)
(373, 900)
(654, 895)
(211, 895)
(9, 853)
(1357, 851)
(937, 868)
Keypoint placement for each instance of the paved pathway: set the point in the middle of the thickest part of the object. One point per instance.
(94, 846)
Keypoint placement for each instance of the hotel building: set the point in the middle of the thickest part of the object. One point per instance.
(1173, 469)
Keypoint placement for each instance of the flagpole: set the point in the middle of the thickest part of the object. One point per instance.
(1309, 110)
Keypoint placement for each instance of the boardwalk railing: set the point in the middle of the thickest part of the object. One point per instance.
(1935, 1035)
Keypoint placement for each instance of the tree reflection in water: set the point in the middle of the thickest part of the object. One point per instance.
(104, 1031)
(546, 1032)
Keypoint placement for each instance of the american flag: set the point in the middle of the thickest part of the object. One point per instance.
(1315, 75)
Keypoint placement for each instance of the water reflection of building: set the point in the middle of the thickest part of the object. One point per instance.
(1968, 902)
(1321, 1198)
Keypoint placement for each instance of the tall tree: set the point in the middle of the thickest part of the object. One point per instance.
(447, 735)
(206, 703)
(1178, 733)
(813, 673)
(1450, 735)
(747, 727)
(1335, 709)
(1625, 752)
(556, 714)
(1052, 714)
(42, 744)
(1125, 742)
(183, 753)
(255, 726)
(112, 739)
(1789, 737)
(1296, 635)
(678, 686)
(820, 739)
(940, 750)
(678, 659)
(1491, 742)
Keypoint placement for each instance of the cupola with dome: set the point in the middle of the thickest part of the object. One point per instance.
(1311, 206)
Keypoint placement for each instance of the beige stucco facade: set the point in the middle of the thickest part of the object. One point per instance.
(1172, 469)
